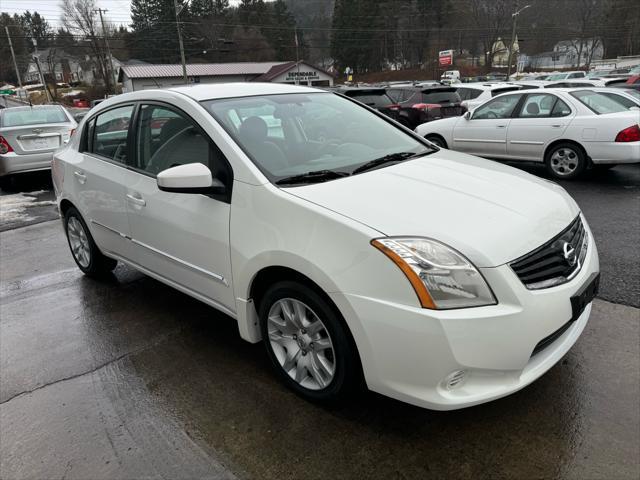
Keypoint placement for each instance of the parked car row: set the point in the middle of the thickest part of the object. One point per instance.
(569, 130)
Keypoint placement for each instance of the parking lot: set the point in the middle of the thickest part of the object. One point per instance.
(128, 378)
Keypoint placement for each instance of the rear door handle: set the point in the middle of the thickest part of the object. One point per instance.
(501, 126)
(80, 176)
(556, 126)
(136, 200)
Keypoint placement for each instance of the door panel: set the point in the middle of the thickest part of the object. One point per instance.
(485, 134)
(101, 179)
(542, 119)
(180, 236)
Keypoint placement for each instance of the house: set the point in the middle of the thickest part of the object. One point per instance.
(141, 77)
(65, 67)
(569, 54)
(500, 52)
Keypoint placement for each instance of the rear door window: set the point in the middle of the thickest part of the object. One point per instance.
(537, 105)
(469, 93)
(110, 134)
(440, 96)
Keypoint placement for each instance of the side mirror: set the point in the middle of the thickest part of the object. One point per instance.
(189, 178)
(467, 115)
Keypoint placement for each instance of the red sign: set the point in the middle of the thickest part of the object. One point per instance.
(446, 57)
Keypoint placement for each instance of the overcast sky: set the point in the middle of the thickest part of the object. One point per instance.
(119, 11)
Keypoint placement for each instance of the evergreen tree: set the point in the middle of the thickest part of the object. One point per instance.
(37, 28)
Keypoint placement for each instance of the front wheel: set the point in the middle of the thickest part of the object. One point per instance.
(566, 161)
(84, 250)
(437, 141)
(307, 343)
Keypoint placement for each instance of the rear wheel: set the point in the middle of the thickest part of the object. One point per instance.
(307, 343)
(84, 250)
(437, 140)
(566, 161)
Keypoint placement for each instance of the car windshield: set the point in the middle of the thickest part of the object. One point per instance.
(295, 134)
(18, 116)
(598, 102)
(557, 76)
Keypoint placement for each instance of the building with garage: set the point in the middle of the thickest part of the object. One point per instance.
(142, 77)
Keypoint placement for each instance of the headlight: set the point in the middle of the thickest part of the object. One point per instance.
(441, 277)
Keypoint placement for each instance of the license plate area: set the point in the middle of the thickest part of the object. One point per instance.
(41, 143)
(584, 296)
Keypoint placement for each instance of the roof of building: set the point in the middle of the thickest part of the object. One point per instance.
(199, 69)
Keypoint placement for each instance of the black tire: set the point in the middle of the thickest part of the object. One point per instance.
(437, 140)
(98, 265)
(565, 161)
(346, 378)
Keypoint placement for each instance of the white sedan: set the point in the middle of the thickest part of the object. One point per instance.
(434, 277)
(567, 129)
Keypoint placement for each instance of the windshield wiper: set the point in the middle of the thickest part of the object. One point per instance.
(312, 177)
(392, 158)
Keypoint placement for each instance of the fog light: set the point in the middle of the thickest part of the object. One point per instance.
(455, 379)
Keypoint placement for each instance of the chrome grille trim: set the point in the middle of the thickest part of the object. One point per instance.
(557, 261)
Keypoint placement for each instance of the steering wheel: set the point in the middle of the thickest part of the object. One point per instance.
(492, 114)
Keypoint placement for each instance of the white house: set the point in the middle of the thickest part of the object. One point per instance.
(569, 54)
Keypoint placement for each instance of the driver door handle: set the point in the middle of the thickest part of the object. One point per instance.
(501, 126)
(80, 176)
(137, 200)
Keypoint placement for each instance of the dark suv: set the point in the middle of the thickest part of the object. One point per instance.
(420, 105)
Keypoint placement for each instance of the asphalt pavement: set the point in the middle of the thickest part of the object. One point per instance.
(128, 378)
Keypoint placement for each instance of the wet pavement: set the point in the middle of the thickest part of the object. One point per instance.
(128, 378)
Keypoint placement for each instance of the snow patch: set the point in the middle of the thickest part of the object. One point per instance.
(13, 208)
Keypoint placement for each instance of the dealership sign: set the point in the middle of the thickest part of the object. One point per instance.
(302, 76)
(446, 57)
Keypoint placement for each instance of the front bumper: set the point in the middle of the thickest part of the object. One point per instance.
(407, 352)
(13, 163)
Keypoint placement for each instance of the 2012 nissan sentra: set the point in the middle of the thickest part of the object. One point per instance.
(366, 253)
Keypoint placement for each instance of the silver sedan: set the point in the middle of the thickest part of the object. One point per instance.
(30, 135)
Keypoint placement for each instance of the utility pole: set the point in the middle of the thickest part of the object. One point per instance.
(513, 37)
(184, 63)
(106, 44)
(46, 89)
(13, 54)
(295, 32)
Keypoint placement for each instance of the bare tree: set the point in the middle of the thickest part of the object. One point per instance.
(494, 17)
(80, 18)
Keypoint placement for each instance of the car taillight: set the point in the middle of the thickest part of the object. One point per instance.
(4, 146)
(425, 106)
(631, 134)
(393, 107)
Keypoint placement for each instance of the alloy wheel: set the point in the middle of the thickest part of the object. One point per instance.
(301, 343)
(79, 242)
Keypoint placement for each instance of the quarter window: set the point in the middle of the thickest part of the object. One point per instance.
(109, 133)
(500, 107)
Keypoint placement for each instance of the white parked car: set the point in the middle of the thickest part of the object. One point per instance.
(567, 129)
(441, 279)
(566, 75)
(474, 94)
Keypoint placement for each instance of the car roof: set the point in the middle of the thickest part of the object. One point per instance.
(245, 89)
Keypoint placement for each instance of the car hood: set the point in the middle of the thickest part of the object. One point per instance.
(490, 212)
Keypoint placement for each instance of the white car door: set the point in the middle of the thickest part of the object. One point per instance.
(100, 175)
(182, 237)
(485, 132)
(542, 118)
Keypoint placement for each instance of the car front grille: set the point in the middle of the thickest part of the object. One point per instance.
(557, 261)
